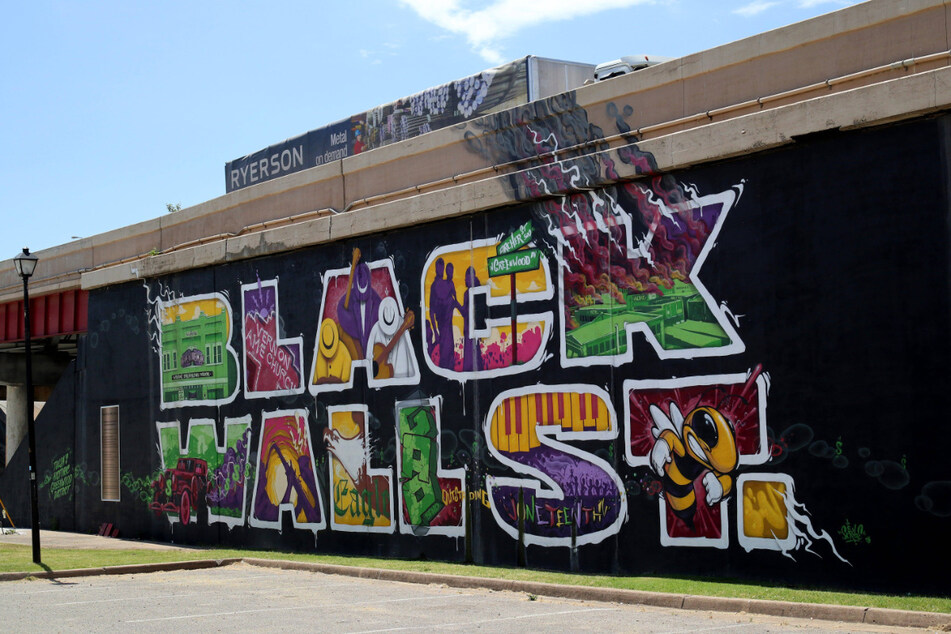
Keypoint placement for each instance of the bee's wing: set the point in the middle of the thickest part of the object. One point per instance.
(675, 422)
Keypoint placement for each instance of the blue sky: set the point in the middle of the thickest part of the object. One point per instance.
(111, 109)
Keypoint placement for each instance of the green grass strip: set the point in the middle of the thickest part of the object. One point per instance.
(17, 558)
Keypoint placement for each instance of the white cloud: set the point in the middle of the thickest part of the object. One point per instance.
(486, 28)
(754, 8)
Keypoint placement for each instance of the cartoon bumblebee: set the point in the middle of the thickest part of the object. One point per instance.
(702, 444)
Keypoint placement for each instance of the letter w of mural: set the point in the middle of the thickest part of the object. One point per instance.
(272, 366)
(199, 366)
(363, 324)
(568, 491)
(201, 474)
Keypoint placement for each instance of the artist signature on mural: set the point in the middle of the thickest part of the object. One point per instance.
(854, 533)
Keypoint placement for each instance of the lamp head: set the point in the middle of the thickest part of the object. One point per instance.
(25, 263)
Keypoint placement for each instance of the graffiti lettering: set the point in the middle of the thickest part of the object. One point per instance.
(525, 429)
(363, 495)
(430, 496)
(459, 348)
(272, 366)
(285, 475)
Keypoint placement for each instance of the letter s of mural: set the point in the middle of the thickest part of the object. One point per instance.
(570, 491)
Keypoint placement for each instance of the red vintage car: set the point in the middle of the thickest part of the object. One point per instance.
(181, 489)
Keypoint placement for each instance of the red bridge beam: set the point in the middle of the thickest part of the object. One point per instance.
(63, 313)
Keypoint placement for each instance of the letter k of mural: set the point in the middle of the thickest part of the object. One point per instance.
(629, 258)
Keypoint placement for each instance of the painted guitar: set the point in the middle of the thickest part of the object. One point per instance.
(382, 369)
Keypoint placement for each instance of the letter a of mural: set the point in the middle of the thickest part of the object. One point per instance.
(431, 498)
(286, 478)
(457, 347)
(199, 366)
(569, 490)
(362, 496)
(272, 366)
(201, 474)
(693, 433)
(363, 324)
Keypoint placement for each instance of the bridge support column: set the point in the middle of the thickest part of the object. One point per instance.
(16, 418)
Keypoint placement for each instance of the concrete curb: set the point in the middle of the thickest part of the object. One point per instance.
(842, 613)
(825, 612)
(131, 569)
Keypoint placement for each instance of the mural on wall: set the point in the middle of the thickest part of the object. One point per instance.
(694, 433)
(201, 474)
(198, 364)
(613, 286)
(64, 475)
(362, 495)
(460, 341)
(363, 325)
(507, 424)
(285, 475)
(272, 365)
(568, 493)
(629, 254)
(431, 498)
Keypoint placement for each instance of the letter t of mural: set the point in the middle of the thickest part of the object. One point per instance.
(693, 433)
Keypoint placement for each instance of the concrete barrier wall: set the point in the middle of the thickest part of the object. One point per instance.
(866, 44)
(716, 371)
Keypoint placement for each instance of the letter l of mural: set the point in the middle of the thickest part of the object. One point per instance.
(272, 366)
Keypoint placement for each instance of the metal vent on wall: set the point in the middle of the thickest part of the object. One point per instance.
(109, 435)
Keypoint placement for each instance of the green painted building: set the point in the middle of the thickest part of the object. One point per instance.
(195, 366)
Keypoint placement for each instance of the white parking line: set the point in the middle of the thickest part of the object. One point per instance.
(498, 620)
(287, 608)
(713, 629)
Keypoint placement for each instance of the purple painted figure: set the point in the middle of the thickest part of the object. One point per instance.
(358, 318)
(442, 304)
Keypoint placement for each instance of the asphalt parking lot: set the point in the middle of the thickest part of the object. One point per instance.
(242, 597)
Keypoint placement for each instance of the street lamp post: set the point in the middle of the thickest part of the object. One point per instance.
(25, 264)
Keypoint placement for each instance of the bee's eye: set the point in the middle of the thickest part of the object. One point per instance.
(706, 428)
